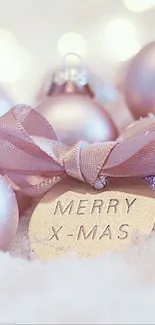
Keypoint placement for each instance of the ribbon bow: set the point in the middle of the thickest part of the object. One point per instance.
(33, 159)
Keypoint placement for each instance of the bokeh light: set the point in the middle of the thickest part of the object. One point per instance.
(121, 39)
(72, 43)
(10, 63)
(139, 5)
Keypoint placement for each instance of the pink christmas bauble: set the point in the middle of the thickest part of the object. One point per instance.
(8, 214)
(140, 82)
(77, 117)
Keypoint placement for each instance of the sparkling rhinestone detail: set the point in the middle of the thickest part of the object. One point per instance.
(100, 183)
(150, 180)
(78, 76)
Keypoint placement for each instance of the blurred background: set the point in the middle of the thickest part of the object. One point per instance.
(36, 34)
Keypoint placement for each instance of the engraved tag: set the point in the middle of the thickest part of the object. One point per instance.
(88, 222)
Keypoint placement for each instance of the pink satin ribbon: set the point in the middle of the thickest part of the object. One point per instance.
(33, 159)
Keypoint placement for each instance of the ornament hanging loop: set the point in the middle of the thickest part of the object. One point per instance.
(72, 59)
(72, 77)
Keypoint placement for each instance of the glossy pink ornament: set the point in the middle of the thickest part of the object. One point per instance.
(140, 82)
(76, 117)
(70, 106)
(8, 214)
